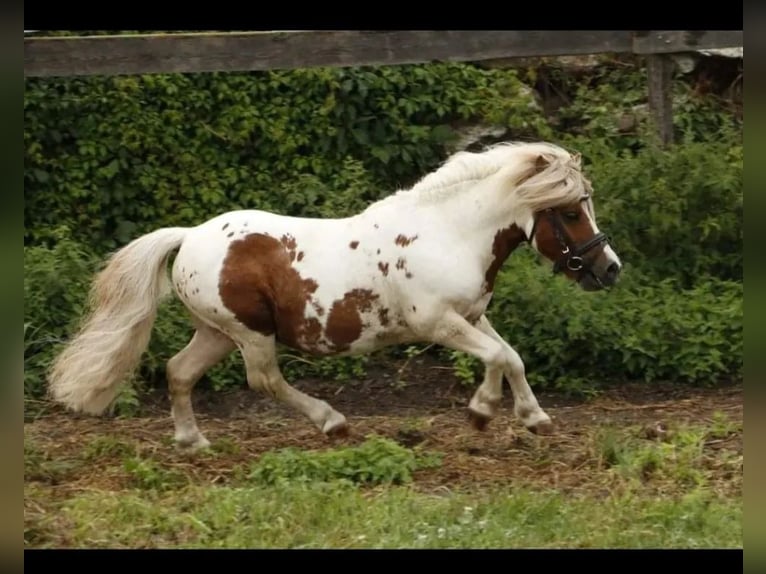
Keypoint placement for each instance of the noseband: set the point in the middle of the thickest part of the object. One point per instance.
(571, 254)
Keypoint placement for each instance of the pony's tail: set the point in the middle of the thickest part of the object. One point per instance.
(87, 375)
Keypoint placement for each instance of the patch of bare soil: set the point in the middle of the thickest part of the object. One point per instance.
(430, 414)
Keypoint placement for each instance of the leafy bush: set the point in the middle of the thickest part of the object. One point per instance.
(376, 461)
(119, 156)
(574, 340)
(673, 213)
(56, 284)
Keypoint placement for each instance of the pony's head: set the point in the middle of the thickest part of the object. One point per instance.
(558, 217)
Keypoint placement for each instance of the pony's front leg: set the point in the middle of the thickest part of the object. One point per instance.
(483, 342)
(526, 407)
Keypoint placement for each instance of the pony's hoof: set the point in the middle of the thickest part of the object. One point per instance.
(336, 427)
(478, 421)
(193, 445)
(542, 428)
(338, 432)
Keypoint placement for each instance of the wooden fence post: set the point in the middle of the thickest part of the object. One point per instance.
(660, 70)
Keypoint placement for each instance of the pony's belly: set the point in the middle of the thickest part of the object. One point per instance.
(349, 327)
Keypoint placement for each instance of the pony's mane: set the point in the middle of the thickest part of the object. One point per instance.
(555, 181)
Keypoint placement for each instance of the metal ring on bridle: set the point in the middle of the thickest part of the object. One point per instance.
(577, 260)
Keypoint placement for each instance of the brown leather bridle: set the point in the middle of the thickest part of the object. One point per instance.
(571, 254)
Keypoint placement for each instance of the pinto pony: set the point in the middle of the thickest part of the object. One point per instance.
(417, 266)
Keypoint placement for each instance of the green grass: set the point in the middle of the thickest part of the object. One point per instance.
(341, 515)
(676, 458)
(642, 488)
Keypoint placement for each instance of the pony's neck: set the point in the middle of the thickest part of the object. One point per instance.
(476, 211)
(482, 215)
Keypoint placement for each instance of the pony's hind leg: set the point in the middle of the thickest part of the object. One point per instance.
(259, 353)
(206, 348)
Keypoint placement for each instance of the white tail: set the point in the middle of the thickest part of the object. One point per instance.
(124, 297)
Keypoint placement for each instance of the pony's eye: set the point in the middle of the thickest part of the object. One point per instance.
(572, 215)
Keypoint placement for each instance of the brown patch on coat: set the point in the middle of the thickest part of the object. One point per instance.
(506, 240)
(312, 333)
(263, 291)
(318, 308)
(290, 244)
(344, 322)
(403, 240)
(300, 256)
(383, 268)
(353, 244)
(224, 227)
(383, 316)
(229, 234)
(401, 264)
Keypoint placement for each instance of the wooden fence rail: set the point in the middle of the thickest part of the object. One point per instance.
(251, 51)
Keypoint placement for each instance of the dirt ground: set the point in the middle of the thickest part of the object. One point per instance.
(430, 413)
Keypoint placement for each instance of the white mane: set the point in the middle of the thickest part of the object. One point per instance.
(555, 181)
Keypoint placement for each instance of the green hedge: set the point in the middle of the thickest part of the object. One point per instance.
(121, 156)
(672, 213)
(574, 340)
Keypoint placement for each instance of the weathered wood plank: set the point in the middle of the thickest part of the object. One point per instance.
(669, 41)
(660, 70)
(182, 53)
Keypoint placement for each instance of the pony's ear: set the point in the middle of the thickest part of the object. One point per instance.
(541, 162)
(531, 167)
(576, 157)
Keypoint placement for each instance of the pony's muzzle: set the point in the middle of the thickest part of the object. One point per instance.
(600, 274)
(612, 273)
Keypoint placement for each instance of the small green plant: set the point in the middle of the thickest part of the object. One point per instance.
(226, 446)
(146, 474)
(612, 450)
(376, 461)
(721, 426)
(466, 367)
(127, 404)
(107, 446)
(341, 369)
(678, 457)
(410, 352)
(40, 467)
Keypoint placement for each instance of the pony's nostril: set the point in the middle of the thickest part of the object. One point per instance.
(613, 269)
